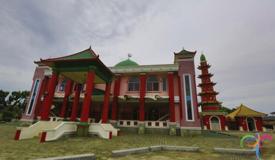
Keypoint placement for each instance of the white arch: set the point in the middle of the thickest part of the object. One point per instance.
(211, 123)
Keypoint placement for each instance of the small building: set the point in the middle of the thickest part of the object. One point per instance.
(245, 119)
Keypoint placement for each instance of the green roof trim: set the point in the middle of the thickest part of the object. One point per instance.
(126, 63)
(146, 68)
(86, 54)
(202, 58)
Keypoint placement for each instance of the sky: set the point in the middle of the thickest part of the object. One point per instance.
(237, 38)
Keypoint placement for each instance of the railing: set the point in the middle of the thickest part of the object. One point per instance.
(156, 124)
(163, 117)
(61, 129)
(56, 119)
(35, 129)
(148, 124)
(128, 123)
(100, 130)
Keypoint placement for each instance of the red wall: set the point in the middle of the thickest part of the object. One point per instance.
(257, 120)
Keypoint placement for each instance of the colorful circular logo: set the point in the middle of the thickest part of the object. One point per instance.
(255, 142)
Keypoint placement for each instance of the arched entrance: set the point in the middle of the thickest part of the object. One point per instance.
(250, 124)
(215, 123)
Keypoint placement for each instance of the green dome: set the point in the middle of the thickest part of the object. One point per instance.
(202, 58)
(126, 63)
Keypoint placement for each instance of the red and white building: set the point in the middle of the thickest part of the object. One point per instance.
(79, 87)
(130, 96)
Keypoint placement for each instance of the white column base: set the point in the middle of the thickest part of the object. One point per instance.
(226, 128)
(241, 128)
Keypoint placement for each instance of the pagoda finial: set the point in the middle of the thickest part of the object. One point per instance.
(202, 58)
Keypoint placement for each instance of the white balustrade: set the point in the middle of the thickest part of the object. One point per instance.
(128, 123)
(56, 119)
(156, 124)
(148, 124)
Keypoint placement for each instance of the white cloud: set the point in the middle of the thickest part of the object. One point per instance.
(236, 36)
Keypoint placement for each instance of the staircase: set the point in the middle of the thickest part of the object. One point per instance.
(105, 131)
(35, 129)
(163, 118)
(64, 128)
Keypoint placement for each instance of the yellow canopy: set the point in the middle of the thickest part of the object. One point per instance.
(244, 111)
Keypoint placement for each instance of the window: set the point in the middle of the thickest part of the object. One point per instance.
(164, 84)
(33, 96)
(152, 83)
(133, 84)
(188, 98)
(62, 86)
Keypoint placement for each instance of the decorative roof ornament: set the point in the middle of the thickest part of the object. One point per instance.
(202, 58)
(129, 55)
(126, 63)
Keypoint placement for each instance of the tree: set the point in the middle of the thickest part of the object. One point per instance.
(3, 96)
(18, 98)
(17, 103)
(12, 105)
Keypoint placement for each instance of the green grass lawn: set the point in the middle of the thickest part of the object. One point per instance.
(31, 149)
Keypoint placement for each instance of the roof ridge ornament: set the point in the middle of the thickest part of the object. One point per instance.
(129, 55)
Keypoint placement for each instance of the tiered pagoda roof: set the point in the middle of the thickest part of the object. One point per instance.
(207, 83)
(208, 93)
(205, 75)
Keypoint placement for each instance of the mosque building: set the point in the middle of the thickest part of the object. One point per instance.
(79, 87)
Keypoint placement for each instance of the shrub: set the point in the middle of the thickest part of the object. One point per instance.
(7, 116)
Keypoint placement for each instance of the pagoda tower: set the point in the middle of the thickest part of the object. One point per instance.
(212, 116)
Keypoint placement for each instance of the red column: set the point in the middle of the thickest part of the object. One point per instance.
(242, 122)
(105, 109)
(68, 89)
(180, 96)
(42, 90)
(142, 96)
(259, 123)
(171, 96)
(88, 97)
(115, 98)
(49, 97)
(222, 121)
(206, 121)
(75, 102)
